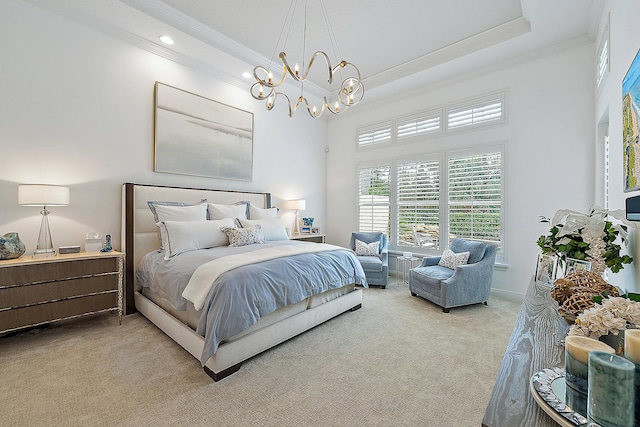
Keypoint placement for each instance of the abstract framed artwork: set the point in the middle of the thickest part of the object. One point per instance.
(630, 126)
(198, 136)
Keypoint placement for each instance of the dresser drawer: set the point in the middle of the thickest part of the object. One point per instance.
(18, 296)
(42, 313)
(52, 271)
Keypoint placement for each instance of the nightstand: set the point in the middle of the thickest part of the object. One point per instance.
(316, 238)
(39, 290)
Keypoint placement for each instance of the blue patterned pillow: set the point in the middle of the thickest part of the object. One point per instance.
(367, 249)
(243, 236)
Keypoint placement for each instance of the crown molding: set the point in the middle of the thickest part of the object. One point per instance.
(132, 39)
(493, 36)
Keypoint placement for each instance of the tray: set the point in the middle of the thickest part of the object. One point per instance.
(548, 390)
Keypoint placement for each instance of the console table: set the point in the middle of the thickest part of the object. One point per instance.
(534, 346)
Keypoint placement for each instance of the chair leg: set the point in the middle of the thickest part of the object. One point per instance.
(413, 294)
(445, 310)
(485, 303)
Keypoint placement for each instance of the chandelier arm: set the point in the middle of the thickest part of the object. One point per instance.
(350, 92)
(305, 74)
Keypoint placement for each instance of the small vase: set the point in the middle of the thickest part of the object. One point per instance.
(614, 341)
(11, 246)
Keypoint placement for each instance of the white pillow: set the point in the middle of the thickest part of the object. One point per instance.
(270, 229)
(237, 210)
(260, 213)
(176, 211)
(243, 236)
(183, 236)
(451, 259)
(367, 249)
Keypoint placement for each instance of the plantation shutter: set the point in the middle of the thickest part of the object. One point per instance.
(475, 197)
(374, 135)
(475, 113)
(418, 125)
(373, 201)
(417, 204)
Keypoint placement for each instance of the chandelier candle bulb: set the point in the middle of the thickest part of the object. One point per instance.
(611, 393)
(576, 361)
(632, 352)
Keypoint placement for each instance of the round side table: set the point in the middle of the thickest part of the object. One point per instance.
(403, 265)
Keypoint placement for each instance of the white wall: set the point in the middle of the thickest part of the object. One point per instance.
(76, 109)
(548, 139)
(623, 47)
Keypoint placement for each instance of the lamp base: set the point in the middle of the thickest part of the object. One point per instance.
(296, 224)
(44, 252)
(45, 246)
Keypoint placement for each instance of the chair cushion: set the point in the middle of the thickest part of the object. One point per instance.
(451, 259)
(476, 249)
(370, 263)
(432, 275)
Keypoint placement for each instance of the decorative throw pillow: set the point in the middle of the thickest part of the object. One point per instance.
(184, 236)
(451, 259)
(270, 229)
(260, 213)
(236, 210)
(367, 249)
(242, 236)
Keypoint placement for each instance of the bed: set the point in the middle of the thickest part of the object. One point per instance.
(223, 354)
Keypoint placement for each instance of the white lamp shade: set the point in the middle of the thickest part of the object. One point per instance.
(43, 195)
(297, 205)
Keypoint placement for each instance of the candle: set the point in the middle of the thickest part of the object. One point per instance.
(270, 77)
(576, 362)
(611, 394)
(296, 69)
(632, 352)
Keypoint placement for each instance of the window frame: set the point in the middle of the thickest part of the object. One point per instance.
(443, 158)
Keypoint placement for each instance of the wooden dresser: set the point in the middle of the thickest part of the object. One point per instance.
(534, 346)
(39, 290)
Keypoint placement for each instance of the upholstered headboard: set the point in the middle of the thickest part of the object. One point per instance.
(140, 234)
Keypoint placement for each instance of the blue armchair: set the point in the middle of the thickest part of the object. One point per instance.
(375, 268)
(467, 284)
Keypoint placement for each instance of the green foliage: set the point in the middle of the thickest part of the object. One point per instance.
(572, 246)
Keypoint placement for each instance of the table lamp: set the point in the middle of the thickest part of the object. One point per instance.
(297, 205)
(43, 195)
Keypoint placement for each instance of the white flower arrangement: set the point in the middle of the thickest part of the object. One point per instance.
(611, 316)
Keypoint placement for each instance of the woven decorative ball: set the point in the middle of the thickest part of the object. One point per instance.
(576, 304)
(562, 289)
(585, 278)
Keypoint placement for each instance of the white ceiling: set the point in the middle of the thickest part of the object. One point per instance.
(395, 44)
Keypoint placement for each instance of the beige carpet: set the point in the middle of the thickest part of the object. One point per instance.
(398, 361)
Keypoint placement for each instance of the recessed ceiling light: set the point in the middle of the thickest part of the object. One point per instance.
(247, 75)
(166, 40)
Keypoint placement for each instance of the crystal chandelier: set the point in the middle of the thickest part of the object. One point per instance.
(266, 87)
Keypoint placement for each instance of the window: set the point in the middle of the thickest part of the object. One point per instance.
(602, 57)
(374, 190)
(475, 197)
(374, 135)
(418, 204)
(419, 124)
(477, 112)
(424, 203)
